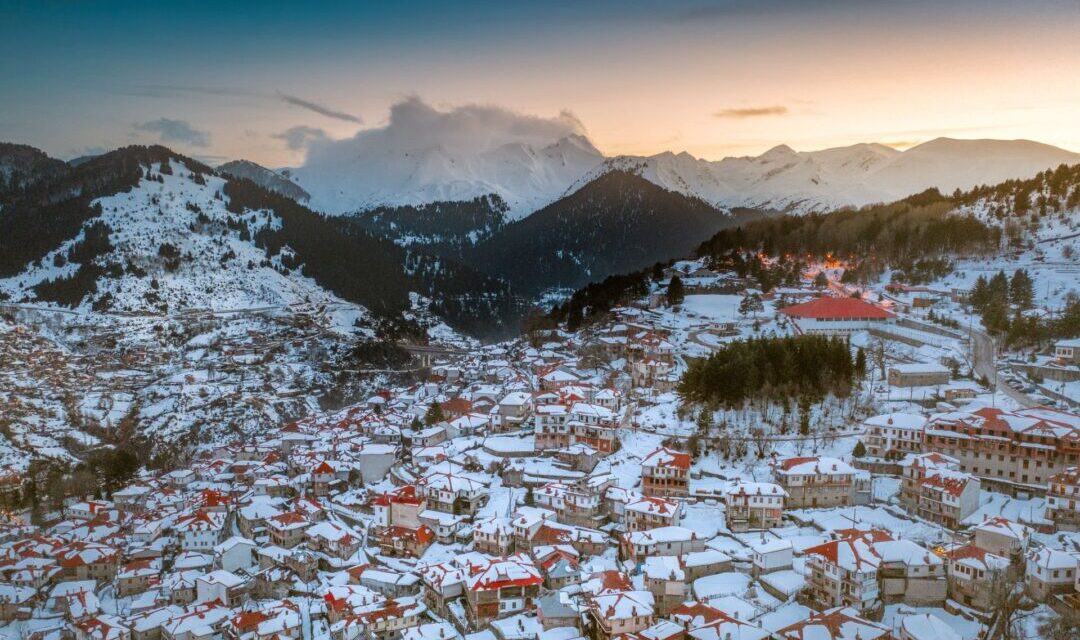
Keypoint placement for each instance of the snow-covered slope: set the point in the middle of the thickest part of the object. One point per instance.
(265, 178)
(526, 176)
(358, 174)
(799, 182)
(174, 246)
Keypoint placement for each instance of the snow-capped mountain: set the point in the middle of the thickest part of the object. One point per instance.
(265, 178)
(144, 230)
(345, 179)
(526, 176)
(786, 180)
(170, 243)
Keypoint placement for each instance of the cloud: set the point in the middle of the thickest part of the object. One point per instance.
(436, 153)
(415, 125)
(301, 137)
(319, 109)
(171, 130)
(752, 112)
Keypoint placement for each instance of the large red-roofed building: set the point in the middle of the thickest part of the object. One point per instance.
(831, 316)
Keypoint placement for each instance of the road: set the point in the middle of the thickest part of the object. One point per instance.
(982, 356)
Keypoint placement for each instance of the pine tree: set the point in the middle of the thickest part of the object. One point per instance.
(821, 280)
(434, 414)
(675, 292)
(980, 292)
(860, 363)
(751, 304)
(1021, 289)
(859, 450)
(704, 421)
(804, 415)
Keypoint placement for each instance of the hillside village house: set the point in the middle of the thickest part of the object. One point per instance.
(649, 512)
(910, 574)
(666, 473)
(1009, 451)
(917, 374)
(844, 572)
(1067, 351)
(200, 530)
(816, 482)
(971, 571)
(768, 555)
(836, 316)
(451, 492)
(663, 541)
(287, 529)
(505, 585)
(894, 434)
(1050, 572)
(665, 579)
(753, 505)
(1002, 536)
(558, 426)
(620, 613)
(934, 489)
(1063, 499)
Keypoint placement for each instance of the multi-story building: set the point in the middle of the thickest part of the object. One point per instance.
(971, 571)
(1063, 499)
(200, 530)
(287, 529)
(754, 505)
(82, 560)
(934, 489)
(894, 434)
(621, 613)
(649, 512)
(494, 536)
(665, 578)
(1010, 451)
(816, 482)
(558, 426)
(910, 574)
(505, 586)
(1002, 536)
(451, 492)
(1050, 572)
(663, 541)
(666, 473)
(844, 572)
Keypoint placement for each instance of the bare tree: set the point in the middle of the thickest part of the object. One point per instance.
(761, 442)
(1008, 595)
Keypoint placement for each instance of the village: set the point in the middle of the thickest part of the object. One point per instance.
(558, 487)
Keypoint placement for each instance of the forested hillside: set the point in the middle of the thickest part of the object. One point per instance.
(444, 228)
(617, 223)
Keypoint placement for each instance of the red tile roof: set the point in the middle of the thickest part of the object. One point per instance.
(836, 308)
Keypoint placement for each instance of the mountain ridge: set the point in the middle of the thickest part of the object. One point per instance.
(529, 176)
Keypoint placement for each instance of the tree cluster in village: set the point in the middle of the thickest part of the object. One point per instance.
(912, 235)
(770, 369)
(1004, 302)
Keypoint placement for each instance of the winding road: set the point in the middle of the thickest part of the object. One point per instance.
(982, 354)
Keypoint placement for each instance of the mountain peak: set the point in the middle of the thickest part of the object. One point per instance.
(778, 152)
(265, 178)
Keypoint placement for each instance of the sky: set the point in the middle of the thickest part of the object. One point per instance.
(266, 80)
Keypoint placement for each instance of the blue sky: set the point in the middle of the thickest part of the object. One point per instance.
(223, 80)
